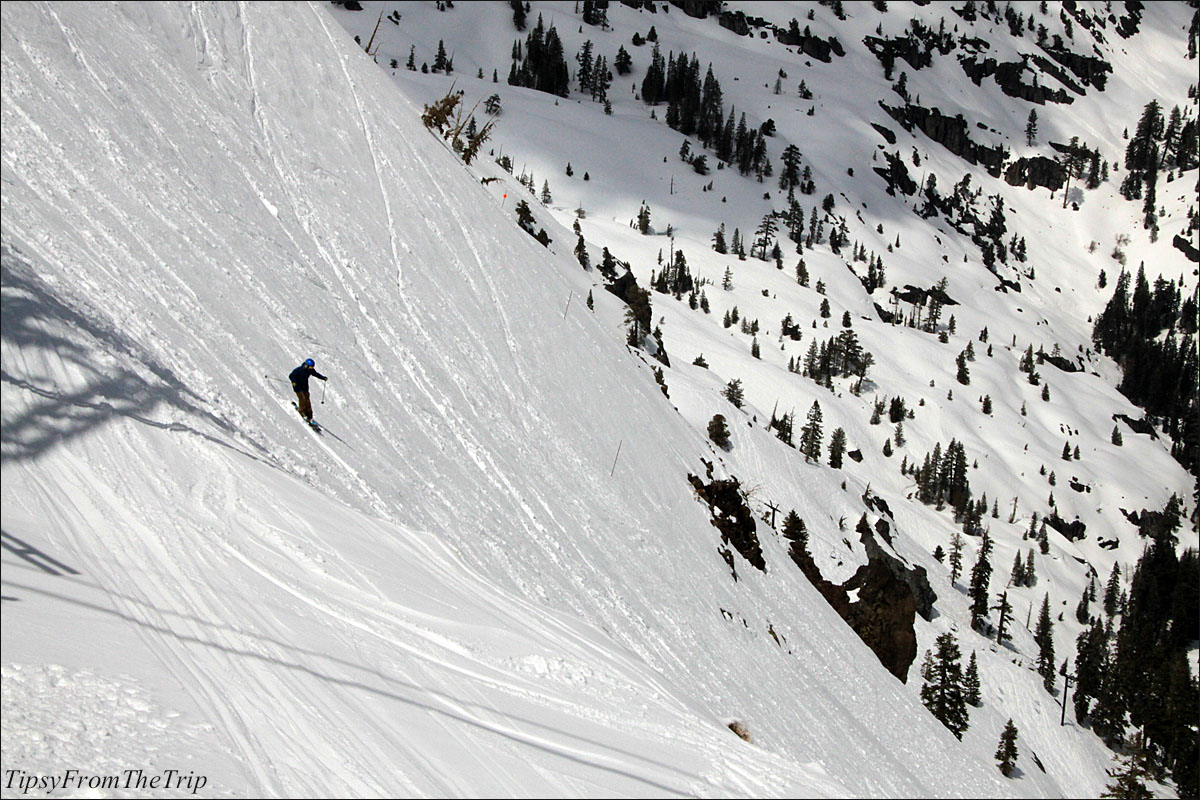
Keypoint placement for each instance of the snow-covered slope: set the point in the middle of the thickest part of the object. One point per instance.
(632, 157)
(450, 591)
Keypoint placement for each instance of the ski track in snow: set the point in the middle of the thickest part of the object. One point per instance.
(445, 592)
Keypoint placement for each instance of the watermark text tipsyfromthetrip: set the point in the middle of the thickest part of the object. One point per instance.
(73, 779)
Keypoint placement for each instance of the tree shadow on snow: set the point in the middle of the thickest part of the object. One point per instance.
(35, 319)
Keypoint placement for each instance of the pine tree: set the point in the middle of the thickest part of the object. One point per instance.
(643, 220)
(837, 448)
(963, 375)
(623, 62)
(1117, 439)
(810, 434)
(943, 693)
(719, 240)
(1129, 779)
(1044, 637)
(718, 431)
(733, 392)
(1005, 609)
(1030, 574)
(1112, 591)
(1091, 663)
(1006, 752)
(525, 217)
(972, 692)
(981, 575)
(581, 253)
(1018, 570)
(956, 548)
(1081, 610)
(797, 534)
(1031, 128)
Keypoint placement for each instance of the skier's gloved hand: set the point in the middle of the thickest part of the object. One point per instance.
(324, 379)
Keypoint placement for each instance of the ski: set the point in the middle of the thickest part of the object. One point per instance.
(311, 423)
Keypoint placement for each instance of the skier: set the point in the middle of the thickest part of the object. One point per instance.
(299, 378)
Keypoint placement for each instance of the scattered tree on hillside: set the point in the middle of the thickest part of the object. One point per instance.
(1006, 752)
(733, 392)
(718, 431)
(942, 693)
(810, 434)
(972, 692)
(1043, 636)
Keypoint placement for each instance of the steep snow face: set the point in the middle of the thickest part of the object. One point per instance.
(632, 158)
(487, 576)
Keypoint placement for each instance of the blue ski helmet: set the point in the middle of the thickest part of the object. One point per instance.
(308, 362)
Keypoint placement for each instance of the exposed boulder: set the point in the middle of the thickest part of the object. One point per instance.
(1155, 524)
(896, 175)
(887, 135)
(814, 46)
(700, 9)
(918, 296)
(1090, 70)
(881, 600)
(732, 517)
(1008, 78)
(1036, 171)
(1072, 531)
(1187, 248)
(734, 21)
(1058, 73)
(1142, 425)
(950, 132)
(883, 612)
(1128, 24)
(909, 49)
(1057, 361)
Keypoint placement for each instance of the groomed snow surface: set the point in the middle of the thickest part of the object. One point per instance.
(487, 576)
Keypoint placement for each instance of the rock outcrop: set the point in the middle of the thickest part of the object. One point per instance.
(732, 517)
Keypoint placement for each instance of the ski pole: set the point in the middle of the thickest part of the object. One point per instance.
(277, 380)
(323, 385)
